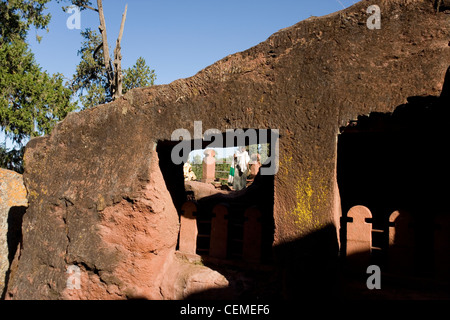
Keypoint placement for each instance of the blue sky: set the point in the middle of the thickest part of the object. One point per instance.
(177, 38)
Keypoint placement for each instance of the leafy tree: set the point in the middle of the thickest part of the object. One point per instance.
(264, 150)
(113, 68)
(197, 159)
(138, 76)
(31, 101)
(99, 77)
(17, 16)
(252, 149)
(11, 160)
(90, 81)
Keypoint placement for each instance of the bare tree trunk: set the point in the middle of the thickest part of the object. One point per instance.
(106, 57)
(118, 77)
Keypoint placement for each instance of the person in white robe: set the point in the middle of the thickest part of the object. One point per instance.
(241, 161)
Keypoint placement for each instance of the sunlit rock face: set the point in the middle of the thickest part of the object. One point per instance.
(101, 195)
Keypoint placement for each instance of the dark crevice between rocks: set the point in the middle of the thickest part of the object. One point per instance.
(67, 203)
(89, 268)
(67, 236)
(13, 238)
(172, 175)
(128, 199)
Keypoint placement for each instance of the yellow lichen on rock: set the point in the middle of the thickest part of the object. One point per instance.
(308, 201)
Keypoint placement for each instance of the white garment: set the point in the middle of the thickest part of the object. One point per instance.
(242, 159)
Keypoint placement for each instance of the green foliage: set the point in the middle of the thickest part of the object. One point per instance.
(17, 16)
(90, 81)
(198, 170)
(252, 149)
(222, 169)
(264, 150)
(31, 101)
(138, 76)
(197, 159)
(11, 160)
(82, 4)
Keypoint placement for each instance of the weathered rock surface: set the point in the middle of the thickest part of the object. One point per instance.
(187, 276)
(202, 190)
(13, 201)
(99, 200)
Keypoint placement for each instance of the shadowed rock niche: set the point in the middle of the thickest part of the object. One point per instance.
(228, 230)
(392, 175)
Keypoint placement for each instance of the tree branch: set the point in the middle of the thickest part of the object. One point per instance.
(88, 7)
(106, 57)
(118, 58)
(96, 50)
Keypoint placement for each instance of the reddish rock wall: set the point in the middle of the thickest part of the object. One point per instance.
(95, 192)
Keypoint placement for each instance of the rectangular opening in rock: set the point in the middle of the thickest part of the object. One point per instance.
(228, 221)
